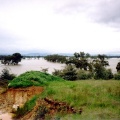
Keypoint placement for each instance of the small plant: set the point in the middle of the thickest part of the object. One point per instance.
(41, 112)
(57, 72)
(28, 106)
(45, 70)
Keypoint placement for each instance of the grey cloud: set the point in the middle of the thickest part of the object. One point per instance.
(108, 12)
(71, 7)
(104, 11)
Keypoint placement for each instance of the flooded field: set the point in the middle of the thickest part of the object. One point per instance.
(32, 64)
(39, 64)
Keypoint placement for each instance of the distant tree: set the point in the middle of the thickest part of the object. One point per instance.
(99, 67)
(12, 59)
(16, 57)
(102, 60)
(55, 58)
(79, 60)
(118, 67)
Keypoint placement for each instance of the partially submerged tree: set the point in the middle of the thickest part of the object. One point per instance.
(79, 60)
(13, 59)
(118, 67)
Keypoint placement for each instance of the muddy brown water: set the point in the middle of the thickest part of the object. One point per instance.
(39, 64)
(32, 64)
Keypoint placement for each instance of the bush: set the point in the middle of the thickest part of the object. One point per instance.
(100, 72)
(57, 72)
(69, 73)
(117, 76)
(83, 75)
(108, 74)
(5, 75)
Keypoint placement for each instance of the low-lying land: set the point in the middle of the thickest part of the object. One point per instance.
(69, 100)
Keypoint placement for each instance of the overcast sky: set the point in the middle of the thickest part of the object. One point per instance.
(60, 26)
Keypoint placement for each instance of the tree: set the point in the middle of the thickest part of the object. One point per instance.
(12, 59)
(55, 58)
(118, 67)
(79, 60)
(16, 57)
(102, 60)
(100, 71)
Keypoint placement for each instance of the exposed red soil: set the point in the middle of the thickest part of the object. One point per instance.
(47, 109)
(17, 96)
(44, 107)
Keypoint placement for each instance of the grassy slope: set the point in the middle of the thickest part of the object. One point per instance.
(99, 99)
(33, 78)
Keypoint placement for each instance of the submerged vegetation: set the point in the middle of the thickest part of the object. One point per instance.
(13, 59)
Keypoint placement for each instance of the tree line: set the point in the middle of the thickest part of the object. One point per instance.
(81, 66)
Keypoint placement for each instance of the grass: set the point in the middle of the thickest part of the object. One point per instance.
(99, 99)
(32, 78)
(28, 106)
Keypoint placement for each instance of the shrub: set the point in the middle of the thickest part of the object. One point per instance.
(108, 74)
(117, 76)
(57, 72)
(83, 75)
(104, 74)
(5, 75)
(69, 73)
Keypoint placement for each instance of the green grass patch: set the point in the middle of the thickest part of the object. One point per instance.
(28, 106)
(32, 78)
(100, 99)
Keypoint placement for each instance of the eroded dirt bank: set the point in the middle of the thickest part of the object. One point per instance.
(16, 97)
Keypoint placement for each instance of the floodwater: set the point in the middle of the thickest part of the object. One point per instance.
(32, 64)
(39, 64)
(113, 63)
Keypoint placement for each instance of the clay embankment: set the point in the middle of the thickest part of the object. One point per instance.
(17, 97)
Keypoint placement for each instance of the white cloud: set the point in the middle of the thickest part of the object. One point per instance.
(57, 26)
